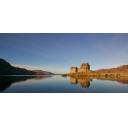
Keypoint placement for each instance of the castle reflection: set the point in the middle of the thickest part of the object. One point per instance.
(84, 82)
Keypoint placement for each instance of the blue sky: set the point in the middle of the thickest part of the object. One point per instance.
(57, 52)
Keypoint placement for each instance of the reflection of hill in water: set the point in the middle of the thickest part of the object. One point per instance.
(7, 81)
(85, 81)
(123, 80)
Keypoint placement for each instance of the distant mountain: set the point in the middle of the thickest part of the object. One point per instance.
(121, 69)
(7, 69)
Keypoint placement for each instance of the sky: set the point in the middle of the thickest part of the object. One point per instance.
(59, 51)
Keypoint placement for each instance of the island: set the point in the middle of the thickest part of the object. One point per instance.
(84, 70)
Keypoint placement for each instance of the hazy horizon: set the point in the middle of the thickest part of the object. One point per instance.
(58, 52)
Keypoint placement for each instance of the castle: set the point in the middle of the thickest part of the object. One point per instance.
(84, 68)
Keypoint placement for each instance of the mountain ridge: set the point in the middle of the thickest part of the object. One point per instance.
(7, 69)
(122, 68)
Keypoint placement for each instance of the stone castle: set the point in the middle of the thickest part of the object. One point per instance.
(84, 68)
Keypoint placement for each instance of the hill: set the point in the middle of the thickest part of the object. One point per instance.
(7, 69)
(120, 69)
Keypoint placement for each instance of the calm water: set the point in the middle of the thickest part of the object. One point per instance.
(43, 84)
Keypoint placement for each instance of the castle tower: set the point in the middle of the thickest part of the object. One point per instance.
(85, 67)
(73, 70)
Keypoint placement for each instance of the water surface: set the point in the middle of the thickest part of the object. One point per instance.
(59, 84)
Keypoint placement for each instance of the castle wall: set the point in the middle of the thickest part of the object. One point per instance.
(83, 69)
(73, 70)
